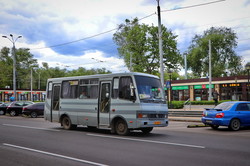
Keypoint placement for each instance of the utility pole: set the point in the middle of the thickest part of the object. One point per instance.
(185, 61)
(210, 72)
(31, 86)
(160, 43)
(12, 40)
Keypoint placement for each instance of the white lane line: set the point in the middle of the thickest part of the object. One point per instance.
(54, 154)
(28, 127)
(148, 141)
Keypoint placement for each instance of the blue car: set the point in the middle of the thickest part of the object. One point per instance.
(233, 114)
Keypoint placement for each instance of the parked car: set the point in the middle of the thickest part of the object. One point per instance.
(3, 108)
(34, 110)
(233, 114)
(16, 107)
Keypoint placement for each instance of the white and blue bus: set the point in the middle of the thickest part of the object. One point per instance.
(119, 102)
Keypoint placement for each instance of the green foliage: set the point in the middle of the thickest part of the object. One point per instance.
(138, 43)
(224, 59)
(25, 63)
(177, 104)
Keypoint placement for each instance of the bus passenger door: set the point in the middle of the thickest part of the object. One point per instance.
(55, 103)
(104, 104)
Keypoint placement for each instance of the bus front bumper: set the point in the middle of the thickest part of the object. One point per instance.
(152, 123)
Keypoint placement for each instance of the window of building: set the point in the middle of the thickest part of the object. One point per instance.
(231, 91)
(201, 94)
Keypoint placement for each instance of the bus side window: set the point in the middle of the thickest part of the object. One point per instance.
(115, 88)
(70, 89)
(124, 88)
(49, 92)
(88, 89)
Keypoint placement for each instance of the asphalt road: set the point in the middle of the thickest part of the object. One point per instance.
(26, 141)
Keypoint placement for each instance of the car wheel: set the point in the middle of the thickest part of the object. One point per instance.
(234, 124)
(147, 130)
(121, 127)
(66, 123)
(13, 113)
(33, 115)
(215, 127)
(1, 112)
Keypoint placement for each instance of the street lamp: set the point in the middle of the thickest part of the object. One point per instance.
(248, 68)
(12, 40)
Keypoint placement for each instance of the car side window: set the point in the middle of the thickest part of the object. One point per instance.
(248, 104)
(243, 107)
(18, 104)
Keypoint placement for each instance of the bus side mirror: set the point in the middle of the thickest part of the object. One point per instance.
(132, 90)
(107, 95)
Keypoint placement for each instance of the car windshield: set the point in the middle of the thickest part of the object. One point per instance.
(224, 106)
(149, 89)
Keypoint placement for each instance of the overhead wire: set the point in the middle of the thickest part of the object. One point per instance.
(191, 6)
(89, 37)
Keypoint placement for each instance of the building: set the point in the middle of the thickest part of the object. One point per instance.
(22, 94)
(229, 88)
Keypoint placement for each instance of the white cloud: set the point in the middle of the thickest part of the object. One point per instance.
(88, 60)
(50, 22)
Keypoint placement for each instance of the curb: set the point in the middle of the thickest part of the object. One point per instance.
(195, 125)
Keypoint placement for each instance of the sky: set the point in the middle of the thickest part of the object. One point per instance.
(78, 33)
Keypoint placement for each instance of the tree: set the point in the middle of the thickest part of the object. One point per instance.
(24, 64)
(224, 59)
(24, 61)
(82, 71)
(6, 66)
(138, 45)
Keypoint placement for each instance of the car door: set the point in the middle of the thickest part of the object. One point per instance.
(243, 113)
(40, 109)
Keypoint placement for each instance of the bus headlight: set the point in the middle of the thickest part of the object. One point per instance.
(140, 115)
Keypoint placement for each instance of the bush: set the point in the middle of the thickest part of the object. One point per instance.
(177, 104)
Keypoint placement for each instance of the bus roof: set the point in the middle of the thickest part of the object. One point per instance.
(103, 76)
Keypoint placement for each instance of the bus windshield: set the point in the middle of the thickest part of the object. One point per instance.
(149, 89)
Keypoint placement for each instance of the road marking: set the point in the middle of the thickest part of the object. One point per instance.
(37, 128)
(54, 154)
(148, 141)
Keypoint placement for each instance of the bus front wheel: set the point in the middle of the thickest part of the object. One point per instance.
(66, 123)
(121, 127)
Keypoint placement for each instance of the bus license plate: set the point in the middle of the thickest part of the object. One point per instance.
(157, 122)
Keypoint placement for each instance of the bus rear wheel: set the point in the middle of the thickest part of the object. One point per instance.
(121, 127)
(66, 123)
